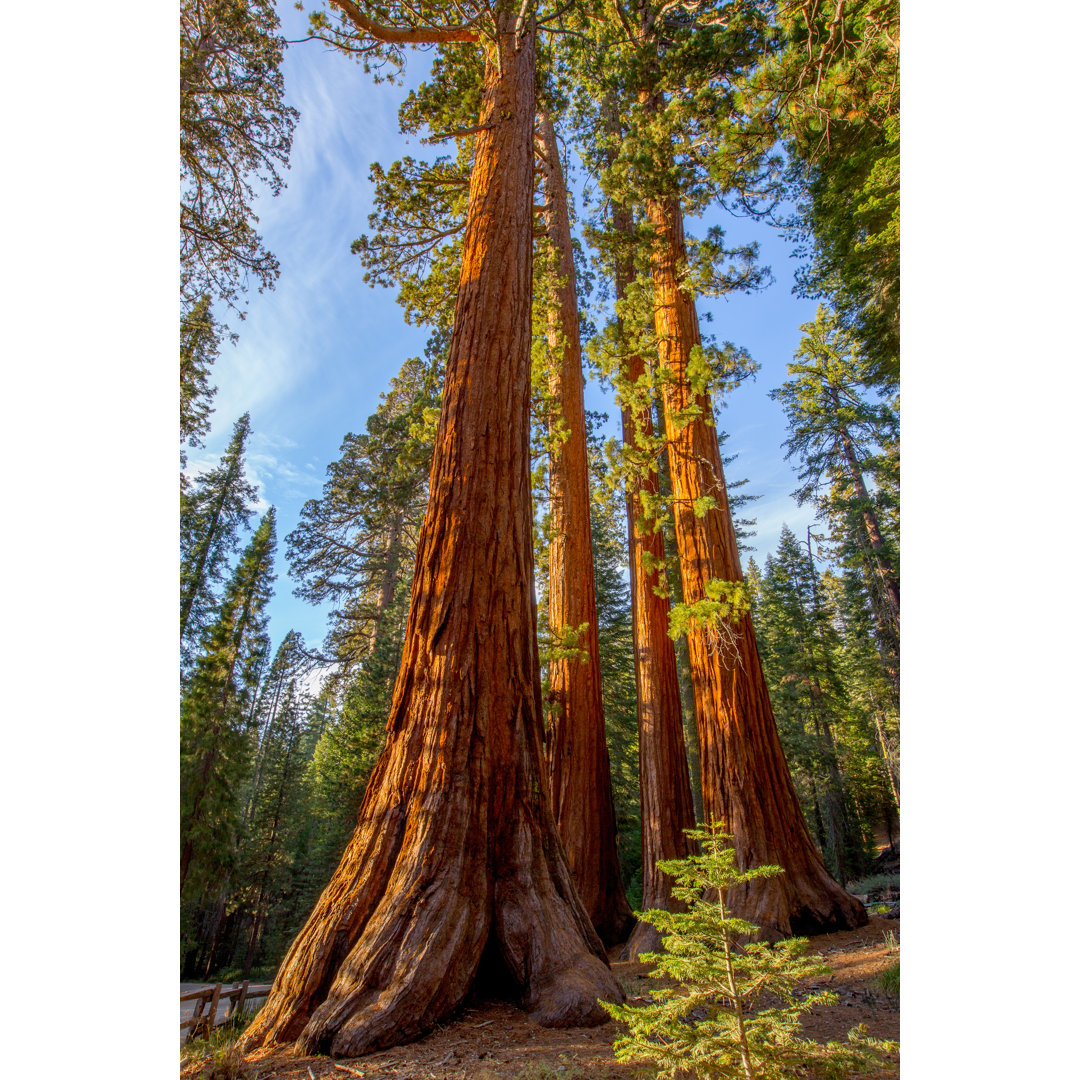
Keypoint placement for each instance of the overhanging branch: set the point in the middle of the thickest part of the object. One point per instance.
(393, 35)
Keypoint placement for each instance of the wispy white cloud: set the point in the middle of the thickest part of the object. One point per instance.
(293, 332)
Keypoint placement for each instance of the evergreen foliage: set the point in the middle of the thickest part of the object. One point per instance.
(213, 511)
(678, 101)
(200, 340)
(235, 132)
(735, 1010)
(271, 849)
(823, 736)
(215, 723)
(833, 93)
(616, 634)
(847, 440)
(355, 544)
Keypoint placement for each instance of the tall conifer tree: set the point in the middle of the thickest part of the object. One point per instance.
(579, 768)
(214, 714)
(800, 648)
(212, 512)
(679, 104)
(455, 855)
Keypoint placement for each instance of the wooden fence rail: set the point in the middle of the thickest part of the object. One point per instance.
(237, 995)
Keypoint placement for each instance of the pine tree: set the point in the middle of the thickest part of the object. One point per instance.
(356, 544)
(212, 513)
(614, 615)
(841, 435)
(871, 691)
(800, 647)
(214, 714)
(200, 339)
(734, 1012)
(277, 797)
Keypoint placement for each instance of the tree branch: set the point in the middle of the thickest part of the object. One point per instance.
(393, 35)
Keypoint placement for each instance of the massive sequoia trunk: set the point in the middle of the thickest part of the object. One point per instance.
(455, 854)
(578, 764)
(667, 805)
(746, 784)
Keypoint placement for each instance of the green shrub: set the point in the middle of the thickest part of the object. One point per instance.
(735, 1011)
(874, 881)
(889, 979)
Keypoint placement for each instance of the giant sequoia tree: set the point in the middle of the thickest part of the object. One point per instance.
(578, 764)
(455, 860)
(667, 808)
(684, 62)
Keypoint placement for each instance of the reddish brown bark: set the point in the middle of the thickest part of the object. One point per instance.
(578, 763)
(455, 850)
(745, 779)
(667, 805)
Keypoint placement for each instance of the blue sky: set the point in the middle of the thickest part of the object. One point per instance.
(315, 353)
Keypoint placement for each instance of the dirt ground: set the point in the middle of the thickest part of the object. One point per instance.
(492, 1040)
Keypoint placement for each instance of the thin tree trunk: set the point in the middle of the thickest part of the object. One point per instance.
(892, 773)
(889, 583)
(579, 768)
(260, 752)
(815, 802)
(260, 913)
(455, 849)
(210, 939)
(844, 835)
(667, 807)
(187, 600)
(389, 577)
(745, 779)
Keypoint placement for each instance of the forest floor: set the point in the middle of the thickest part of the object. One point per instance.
(493, 1040)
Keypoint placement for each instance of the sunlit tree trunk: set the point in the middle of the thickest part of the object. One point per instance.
(746, 784)
(578, 764)
(667, 807)
(456, 852)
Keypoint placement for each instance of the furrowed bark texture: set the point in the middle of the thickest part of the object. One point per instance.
(745, 779)
(455, 849)
(578, 763)
(667, 805)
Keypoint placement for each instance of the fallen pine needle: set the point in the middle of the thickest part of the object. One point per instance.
(484, 1024)
(310, 1073)
(347, 1069)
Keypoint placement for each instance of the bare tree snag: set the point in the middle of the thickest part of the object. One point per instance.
(455, 852)
(746, 784)
(578, 763)
(667, 805)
